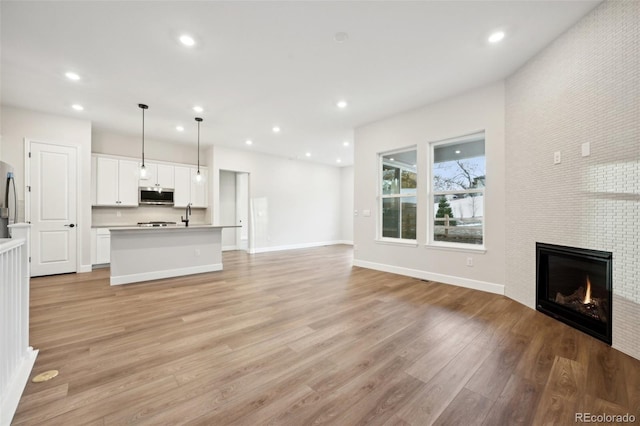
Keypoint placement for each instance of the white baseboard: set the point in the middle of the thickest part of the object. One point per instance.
(85, 268)
(441, 278)
(11, 395)
(156, 275)
(229, 248)
(297, 246)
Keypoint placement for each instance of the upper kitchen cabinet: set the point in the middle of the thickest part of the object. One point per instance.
(116, 182)
(158, 175)
(198, 189)
(187, 190)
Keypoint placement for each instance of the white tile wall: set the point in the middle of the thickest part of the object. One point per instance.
(584, 87)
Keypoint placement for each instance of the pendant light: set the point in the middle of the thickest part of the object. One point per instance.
(143, 169)
(198, 177)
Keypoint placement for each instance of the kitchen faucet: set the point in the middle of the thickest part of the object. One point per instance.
(188, 212)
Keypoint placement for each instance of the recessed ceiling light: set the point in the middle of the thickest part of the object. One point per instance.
(180, 128)
(308, 154)
(276, 129)
(249, 142)
(72, 76)
(187, 40)
(338, 161)
(198, 108)
(77, 107)
(341, 37)
(392, 159)
(457, 151)
(345, 143)
(496, 37)
(341, 104)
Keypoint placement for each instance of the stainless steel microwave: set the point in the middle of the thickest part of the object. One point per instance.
(156, 196)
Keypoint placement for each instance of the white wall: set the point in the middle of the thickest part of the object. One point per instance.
(583, 88)
(346, 203)
(109, 142)
(18, 124)
(228, 207)
(480, 109)
(294, 203)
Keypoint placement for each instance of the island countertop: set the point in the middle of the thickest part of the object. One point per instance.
(169, 227)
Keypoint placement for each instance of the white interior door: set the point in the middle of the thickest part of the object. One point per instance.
(53, 174)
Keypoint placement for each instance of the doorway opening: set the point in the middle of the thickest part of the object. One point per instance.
(234, 209)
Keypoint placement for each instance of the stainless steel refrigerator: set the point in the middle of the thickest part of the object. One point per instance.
(8, 199)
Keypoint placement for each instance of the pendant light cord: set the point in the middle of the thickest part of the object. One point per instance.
(143, 107)
(199, 120)
(143, 137)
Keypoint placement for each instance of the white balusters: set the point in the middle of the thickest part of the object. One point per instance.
(16, 357)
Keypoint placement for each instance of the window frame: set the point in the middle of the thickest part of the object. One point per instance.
(431, 194)
(381, 196)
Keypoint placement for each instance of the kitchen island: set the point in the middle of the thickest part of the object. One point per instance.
(151, 253)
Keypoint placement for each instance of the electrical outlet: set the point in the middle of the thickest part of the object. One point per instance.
(469, 261)
(355, 212)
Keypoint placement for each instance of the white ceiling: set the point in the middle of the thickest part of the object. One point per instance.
(260, 64)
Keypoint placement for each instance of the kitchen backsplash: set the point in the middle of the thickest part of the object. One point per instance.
(107, 216)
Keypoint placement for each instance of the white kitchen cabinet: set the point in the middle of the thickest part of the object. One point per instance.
(103, 246)
(116, 182)
(165, 176)
(106, 181)
(128, 183)
(100, 246)
(187, 190)
(198, 190)
(94, 170)
(182, 188)
(158, 175)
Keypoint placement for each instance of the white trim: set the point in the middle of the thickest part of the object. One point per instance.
(468, 248)
(229, 248)
(298, 246)
(85, 268)
(13, 392)
(441, 278)
(397, 242)
(156, 275)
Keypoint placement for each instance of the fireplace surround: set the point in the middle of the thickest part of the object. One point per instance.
(573, 285)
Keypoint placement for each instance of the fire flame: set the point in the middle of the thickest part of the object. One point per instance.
(587, 296)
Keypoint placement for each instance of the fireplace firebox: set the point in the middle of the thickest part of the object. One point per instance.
(574, 286)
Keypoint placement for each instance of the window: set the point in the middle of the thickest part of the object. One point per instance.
(458, 176)
(398, 186)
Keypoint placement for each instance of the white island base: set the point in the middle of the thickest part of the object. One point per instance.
(143, 254)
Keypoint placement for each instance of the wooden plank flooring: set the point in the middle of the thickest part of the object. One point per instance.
(302, 337)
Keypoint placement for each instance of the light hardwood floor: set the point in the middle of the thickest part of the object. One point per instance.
(302, 337)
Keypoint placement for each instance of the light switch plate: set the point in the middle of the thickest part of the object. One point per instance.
(557, 157)
(586, 149)
(366, 213)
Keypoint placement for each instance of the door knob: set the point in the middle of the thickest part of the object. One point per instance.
(73, 225)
